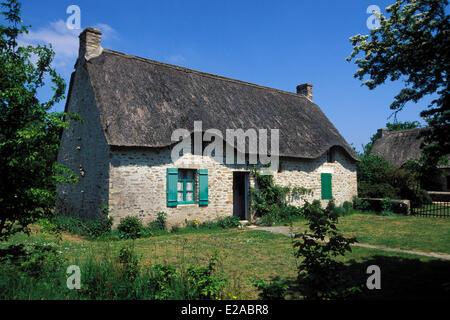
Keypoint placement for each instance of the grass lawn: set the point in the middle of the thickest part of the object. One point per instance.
(402, 232)
(246, 253)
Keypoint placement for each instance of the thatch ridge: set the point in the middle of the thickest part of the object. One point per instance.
(202, 73)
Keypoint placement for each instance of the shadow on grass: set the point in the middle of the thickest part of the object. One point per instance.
(401, 279)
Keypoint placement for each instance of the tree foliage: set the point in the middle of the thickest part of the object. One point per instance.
(398, 125)
(412, 45)
(377, 178)
(29, 132)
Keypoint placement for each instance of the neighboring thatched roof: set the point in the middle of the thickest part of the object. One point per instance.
(141, 102)
(399, 146)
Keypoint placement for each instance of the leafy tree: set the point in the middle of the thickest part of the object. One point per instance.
(377, 178)
(29, 133)
(412, 44)
(372, 169)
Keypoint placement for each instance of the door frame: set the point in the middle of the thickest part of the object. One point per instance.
(246, 186)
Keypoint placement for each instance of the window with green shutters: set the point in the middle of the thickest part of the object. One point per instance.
(182, 186)
(186, 186)
(327, 193)
(203, 187)
(172, 180)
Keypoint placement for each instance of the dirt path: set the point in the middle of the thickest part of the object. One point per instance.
(287, 232)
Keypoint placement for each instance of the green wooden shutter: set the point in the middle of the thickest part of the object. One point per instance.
(172, 180)
(326, 186)
(203, 187)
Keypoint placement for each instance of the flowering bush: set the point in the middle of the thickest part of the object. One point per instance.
(194, 224)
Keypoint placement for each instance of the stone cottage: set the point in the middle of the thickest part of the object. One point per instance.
(398, 147)
(123, 148)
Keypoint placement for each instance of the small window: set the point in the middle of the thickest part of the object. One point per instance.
(186, 186)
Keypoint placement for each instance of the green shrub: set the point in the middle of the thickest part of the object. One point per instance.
(146, 232)
(360, 204)
(269, 201)
(205, 281)
(289, 213)
(229, 222)
(269, 218)
(320, 276)
(378, 190)
(32, 272)
(130, 262)
(222, 223)
(159, 223)
(272, 290)
(99, 227)
(386, 204)
(209, 225)
(266, 194)
(36, 261)
(340, 211)
(378, 179)
(49, 226)
(163, 278)
(42, 261)
(89, 228)
(130, 228)
(74, 225)
(348, 207)
(104, 209)
(387, 207)
(204, 284)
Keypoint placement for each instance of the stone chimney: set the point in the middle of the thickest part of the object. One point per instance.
(381, 133)
(90, 43)
(305, 90)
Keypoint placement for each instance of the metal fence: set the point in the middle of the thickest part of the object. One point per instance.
(434, 209)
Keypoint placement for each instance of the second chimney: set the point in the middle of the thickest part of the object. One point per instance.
(305, 90)
(382, 133)
(90, 43)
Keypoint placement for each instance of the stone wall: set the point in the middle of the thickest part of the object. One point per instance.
(307, 174)
(84, 150)
(138, 184)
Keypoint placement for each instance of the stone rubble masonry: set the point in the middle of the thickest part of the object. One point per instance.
(90, 43)
(138, 184)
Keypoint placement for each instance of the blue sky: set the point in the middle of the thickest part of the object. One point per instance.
(278, 44)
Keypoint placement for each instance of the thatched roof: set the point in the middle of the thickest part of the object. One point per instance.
(141, 102)
(399, 146)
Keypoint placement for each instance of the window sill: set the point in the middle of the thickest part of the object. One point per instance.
(182, 205)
